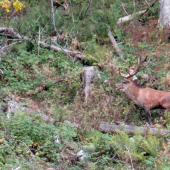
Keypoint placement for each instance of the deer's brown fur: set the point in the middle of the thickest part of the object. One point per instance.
(145, 98)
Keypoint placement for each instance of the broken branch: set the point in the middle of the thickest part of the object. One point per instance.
(117, 49)
(12, 32)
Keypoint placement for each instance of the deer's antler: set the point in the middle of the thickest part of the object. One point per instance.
(137, 68)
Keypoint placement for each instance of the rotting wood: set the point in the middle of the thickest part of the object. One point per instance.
(11, 31)
(129, 17)
(133, 129)
(117, 49)
(87, 76)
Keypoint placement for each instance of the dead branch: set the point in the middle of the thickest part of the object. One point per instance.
(133, 129)
(12, 32)
(75, 54)
(52, 10)
(117, 49)
(129, 17)
(26, 147)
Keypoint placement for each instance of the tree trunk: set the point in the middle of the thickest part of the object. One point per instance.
(164, 16)
(88, 74)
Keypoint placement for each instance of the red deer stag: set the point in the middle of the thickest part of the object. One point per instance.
(145, 98)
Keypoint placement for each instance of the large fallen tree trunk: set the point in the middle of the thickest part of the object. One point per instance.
(133, 129)
(14, 33)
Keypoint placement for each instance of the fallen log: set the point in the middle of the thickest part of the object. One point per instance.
(14, 33)
(129, 17)
(11, 31)
(133, 129)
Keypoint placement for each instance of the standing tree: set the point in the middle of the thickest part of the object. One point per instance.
(164, 16)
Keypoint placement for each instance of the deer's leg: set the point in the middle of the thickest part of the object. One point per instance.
(148, 115)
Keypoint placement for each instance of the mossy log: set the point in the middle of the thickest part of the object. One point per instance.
(133, 129)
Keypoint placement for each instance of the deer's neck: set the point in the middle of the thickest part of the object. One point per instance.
(132, 91)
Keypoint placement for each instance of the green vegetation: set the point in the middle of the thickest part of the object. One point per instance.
(49, 82)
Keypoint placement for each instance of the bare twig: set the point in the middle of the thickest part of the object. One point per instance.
(58, 3)
(72, 13)
(80, 14)
(37, 19)
(39, 43)
(134, 5)
(124, 9)
(25, 145)
(148, 8)
(87, 9)
(147, 2)
(1, 71)
(52, 10)
(130, 156)
(8, 45)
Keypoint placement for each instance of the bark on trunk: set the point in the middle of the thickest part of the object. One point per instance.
(133, 129)
(117, 49)
(164, 16)
(87, 76)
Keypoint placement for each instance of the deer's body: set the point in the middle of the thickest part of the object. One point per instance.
(145, 98)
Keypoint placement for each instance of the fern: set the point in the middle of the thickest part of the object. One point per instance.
(151, 145)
